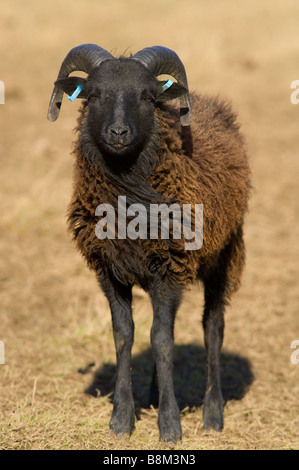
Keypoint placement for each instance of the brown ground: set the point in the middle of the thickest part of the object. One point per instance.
(54, 319)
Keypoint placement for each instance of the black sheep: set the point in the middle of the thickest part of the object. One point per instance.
(131, 143)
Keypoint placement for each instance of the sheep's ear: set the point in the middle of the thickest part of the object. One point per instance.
(71, 84)
(167, 90)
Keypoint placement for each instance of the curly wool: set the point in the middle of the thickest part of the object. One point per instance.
(206, 166)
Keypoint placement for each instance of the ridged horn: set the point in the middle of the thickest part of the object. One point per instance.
(84, 58)
(161, 60)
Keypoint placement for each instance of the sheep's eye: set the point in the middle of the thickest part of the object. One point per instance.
(92, 98)
(148, 98)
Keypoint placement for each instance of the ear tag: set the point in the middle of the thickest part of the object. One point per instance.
(166, 85)
(76, 93)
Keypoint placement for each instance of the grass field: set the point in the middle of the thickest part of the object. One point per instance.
(53, 318)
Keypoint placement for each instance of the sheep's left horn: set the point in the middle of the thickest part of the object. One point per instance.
(161, 60)
(85, 58)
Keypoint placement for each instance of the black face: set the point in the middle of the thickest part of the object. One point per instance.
(121, 103)
(121, 96)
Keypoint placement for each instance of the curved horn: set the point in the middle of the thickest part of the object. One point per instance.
(161, 60)
(84, 58)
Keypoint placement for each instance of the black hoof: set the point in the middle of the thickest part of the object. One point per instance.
(170, 428)
(171, 436)
(213, 413)
(122, 423)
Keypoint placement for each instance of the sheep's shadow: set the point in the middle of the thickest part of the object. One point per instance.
(188, 376)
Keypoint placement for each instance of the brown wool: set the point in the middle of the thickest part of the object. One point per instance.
(206, 164)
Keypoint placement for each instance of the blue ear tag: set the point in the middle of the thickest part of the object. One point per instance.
(76, 93)
(166, 85)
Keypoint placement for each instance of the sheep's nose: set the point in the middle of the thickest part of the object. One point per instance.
(118, 131)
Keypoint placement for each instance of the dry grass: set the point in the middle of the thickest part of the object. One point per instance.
(54, 319)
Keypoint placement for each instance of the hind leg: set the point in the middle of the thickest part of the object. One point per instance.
(219, 284)
(213, 322)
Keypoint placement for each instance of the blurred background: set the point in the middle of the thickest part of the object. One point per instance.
(53, 318)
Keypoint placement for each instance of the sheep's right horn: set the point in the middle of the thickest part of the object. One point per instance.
(84, 58)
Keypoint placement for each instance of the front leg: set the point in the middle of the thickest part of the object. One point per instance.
(120, 299)
(165, 300)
